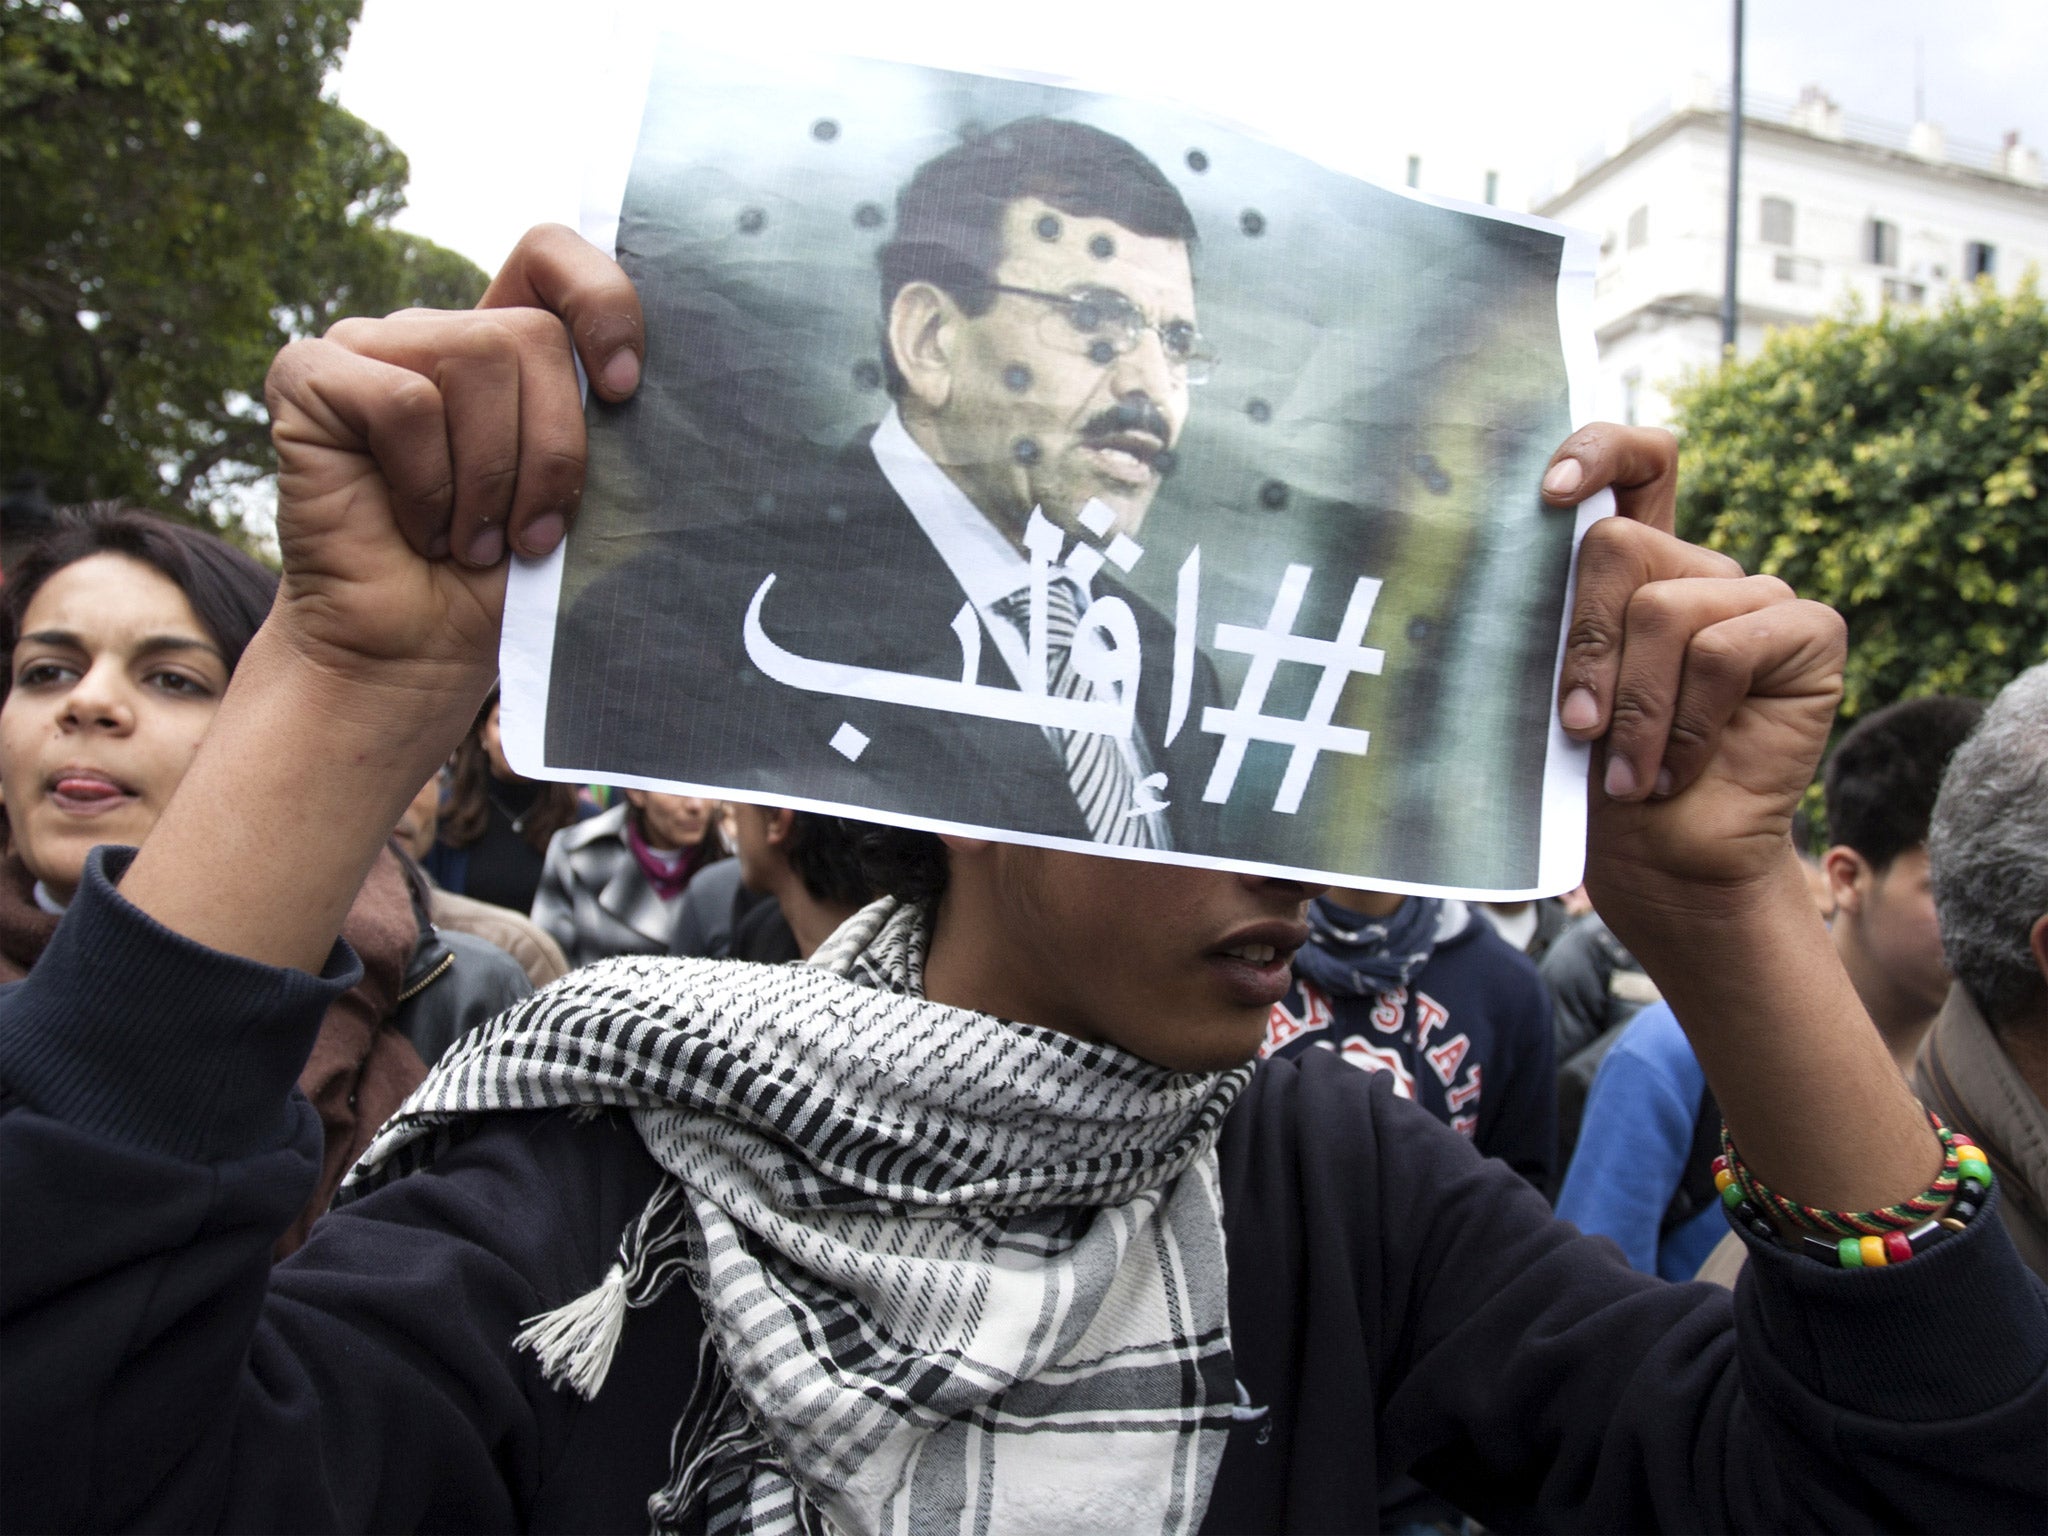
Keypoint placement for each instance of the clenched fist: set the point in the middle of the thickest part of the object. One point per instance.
(414, 451)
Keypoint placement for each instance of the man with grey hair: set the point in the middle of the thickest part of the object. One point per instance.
(1984, 1067)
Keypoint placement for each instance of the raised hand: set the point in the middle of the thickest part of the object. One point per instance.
(411, 452)
(1707, 696)
(1708, 693)
(412, 449)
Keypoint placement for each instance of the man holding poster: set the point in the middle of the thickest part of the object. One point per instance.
(982, 1219)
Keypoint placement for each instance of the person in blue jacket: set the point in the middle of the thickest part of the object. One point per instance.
(1644, 1124)
(981, 1221)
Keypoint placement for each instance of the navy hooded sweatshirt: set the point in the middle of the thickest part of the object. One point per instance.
(1468, 1037)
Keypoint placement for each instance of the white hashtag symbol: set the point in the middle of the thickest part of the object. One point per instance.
(1267, 648)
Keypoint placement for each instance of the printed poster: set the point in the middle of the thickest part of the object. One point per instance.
(1023, 461)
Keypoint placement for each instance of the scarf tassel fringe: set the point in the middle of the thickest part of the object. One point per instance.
(715, 1435)
(575, 1342)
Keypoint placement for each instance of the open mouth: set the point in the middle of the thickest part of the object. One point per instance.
(1255, 964)
(1131, 457)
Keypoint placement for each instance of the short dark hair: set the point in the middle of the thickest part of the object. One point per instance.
(906, 864)
(1883, 776)
(949, 215)
(229, 590)
(825, 853)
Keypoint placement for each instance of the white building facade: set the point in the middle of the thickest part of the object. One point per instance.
(1831, 209)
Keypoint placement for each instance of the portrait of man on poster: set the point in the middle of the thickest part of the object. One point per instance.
(1041, 354)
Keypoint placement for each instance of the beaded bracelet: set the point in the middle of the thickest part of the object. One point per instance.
(1859, 1239)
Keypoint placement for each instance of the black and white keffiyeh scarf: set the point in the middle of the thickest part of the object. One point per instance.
(956, 1274)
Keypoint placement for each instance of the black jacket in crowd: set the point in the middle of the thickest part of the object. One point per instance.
(1396, 1301)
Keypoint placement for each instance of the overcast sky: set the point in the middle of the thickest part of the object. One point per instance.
(484, 96)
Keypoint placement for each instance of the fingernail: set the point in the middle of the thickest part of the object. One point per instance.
(1621, 779)
(1564, 478)
(544, 533)
(1581, 710)
(621, 374)
(488, 546)
(1663, 785)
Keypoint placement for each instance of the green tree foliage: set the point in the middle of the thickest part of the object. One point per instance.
(180, 201)
(1891, 468)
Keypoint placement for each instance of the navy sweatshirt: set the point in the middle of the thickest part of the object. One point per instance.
(1469, 1039)
(1396, 1302)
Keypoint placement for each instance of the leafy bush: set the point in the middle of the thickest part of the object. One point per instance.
(1891, 468)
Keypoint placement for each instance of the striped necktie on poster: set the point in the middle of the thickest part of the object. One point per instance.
(1100, 773)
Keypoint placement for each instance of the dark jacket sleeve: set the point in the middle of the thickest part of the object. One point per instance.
(1536, 1379)
(1576, 972)
(1526, 1373)
(158, 1372)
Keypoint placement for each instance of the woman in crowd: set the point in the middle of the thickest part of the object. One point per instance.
(613, 885)
(496, 825)
(122, 631)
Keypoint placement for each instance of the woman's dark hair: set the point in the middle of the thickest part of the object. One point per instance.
(906, 864)
(230, 592)
(468, 811)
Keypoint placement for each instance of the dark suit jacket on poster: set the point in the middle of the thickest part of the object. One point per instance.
(856, 581)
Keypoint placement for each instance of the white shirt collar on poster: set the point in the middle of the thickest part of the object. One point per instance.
(985, 564)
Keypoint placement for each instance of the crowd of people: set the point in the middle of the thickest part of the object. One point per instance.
(1012, 1189)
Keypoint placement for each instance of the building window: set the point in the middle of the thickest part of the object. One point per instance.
(1802, 270)
(1638, 227)
(1979, 260)
(1415, 170)
(1492, 188)
(1631, 397)
(1899, 290)
(1776, 224)
(1881, 243)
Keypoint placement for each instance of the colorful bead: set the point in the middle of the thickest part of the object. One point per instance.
(1860, 1239)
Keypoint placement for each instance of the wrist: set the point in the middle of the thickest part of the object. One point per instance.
(384, 708)
(1694, 935)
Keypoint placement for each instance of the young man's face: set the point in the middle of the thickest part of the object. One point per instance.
(1178, 966)
(746, 829)
(1026, 406)
(1898, 928)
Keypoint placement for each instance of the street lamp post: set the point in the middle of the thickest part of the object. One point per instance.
(1734, 194)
